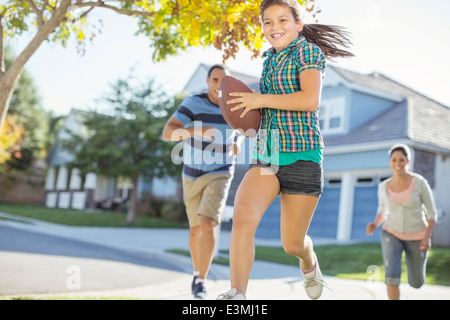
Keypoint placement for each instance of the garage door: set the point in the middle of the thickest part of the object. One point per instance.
(364, 211)
(323, 224)
(325, 220)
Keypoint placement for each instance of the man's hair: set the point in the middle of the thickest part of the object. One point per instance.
(219, 66)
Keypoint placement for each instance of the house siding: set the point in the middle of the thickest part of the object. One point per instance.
(355, 160)
(379, 113)
(425, 165)
(364, 107)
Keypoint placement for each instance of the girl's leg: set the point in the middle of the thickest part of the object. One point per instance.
(296, 215)
(392, 249)
(393, 292)
(256, 192)
(416, 261)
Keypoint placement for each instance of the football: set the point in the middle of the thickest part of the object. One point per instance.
(248, 125)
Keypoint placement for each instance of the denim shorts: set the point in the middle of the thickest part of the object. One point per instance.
(416, 260)
(301, 177)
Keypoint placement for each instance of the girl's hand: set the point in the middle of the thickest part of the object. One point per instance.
(247, 101)
(425, 244)
(371, 228)
(235, 149)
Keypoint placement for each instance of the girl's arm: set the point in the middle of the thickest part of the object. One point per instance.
(373, 225)
(308, 99)
(425, 244)
(432, 215)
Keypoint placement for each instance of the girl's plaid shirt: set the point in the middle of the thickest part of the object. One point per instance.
(291, 131)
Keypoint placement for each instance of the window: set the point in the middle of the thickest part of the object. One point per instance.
(365, 181)
(331, 115)
(333, 182)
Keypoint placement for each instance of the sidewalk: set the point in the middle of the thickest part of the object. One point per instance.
(35, 274)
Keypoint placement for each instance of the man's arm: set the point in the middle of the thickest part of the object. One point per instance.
(174, 130)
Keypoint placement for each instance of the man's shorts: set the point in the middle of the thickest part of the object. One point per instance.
(206, 195)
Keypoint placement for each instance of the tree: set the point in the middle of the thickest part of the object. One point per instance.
(127, 142)
(171, 26)
(28, 113)
(12, 135)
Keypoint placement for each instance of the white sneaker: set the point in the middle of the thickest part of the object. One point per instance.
(232, 294)
(314, 282)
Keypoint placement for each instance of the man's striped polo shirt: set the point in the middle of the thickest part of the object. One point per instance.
(200, 155)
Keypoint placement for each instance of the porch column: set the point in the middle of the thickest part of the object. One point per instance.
(50, 179)
(75, 180)
(61, 181)
(344, 230)
(90, 185)
(50, 194)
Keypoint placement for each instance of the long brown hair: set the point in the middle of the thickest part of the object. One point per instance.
(330, 39)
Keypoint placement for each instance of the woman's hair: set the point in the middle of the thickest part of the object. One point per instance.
(400, 147)
(328, 38)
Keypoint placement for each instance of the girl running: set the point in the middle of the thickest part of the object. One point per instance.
(288, 154)
(408, 214)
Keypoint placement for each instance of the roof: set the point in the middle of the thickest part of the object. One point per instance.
(57, 154)
(197, 81)
(389, 125)
(417, 117)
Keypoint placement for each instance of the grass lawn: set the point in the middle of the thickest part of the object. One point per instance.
(85, 218)
(354, 261)
(361, 261)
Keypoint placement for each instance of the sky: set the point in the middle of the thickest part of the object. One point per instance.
(406, 40)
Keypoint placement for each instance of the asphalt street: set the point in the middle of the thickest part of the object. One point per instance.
(35, 263)
(17, 240)
(40, 259)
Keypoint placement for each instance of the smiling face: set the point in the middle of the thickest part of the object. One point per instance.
(213, 82)
(399, 162)
(280, 27)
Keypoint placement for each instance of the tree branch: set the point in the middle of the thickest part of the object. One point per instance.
(118, 10)
(2, 54)
(47, 28)
(39, 13)
(46, 4)
(81, 16)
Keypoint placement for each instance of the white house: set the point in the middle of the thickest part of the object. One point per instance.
(66, 188)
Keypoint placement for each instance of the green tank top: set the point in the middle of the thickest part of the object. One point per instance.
(286, 158)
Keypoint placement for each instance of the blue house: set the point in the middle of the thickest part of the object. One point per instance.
(361, 117)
